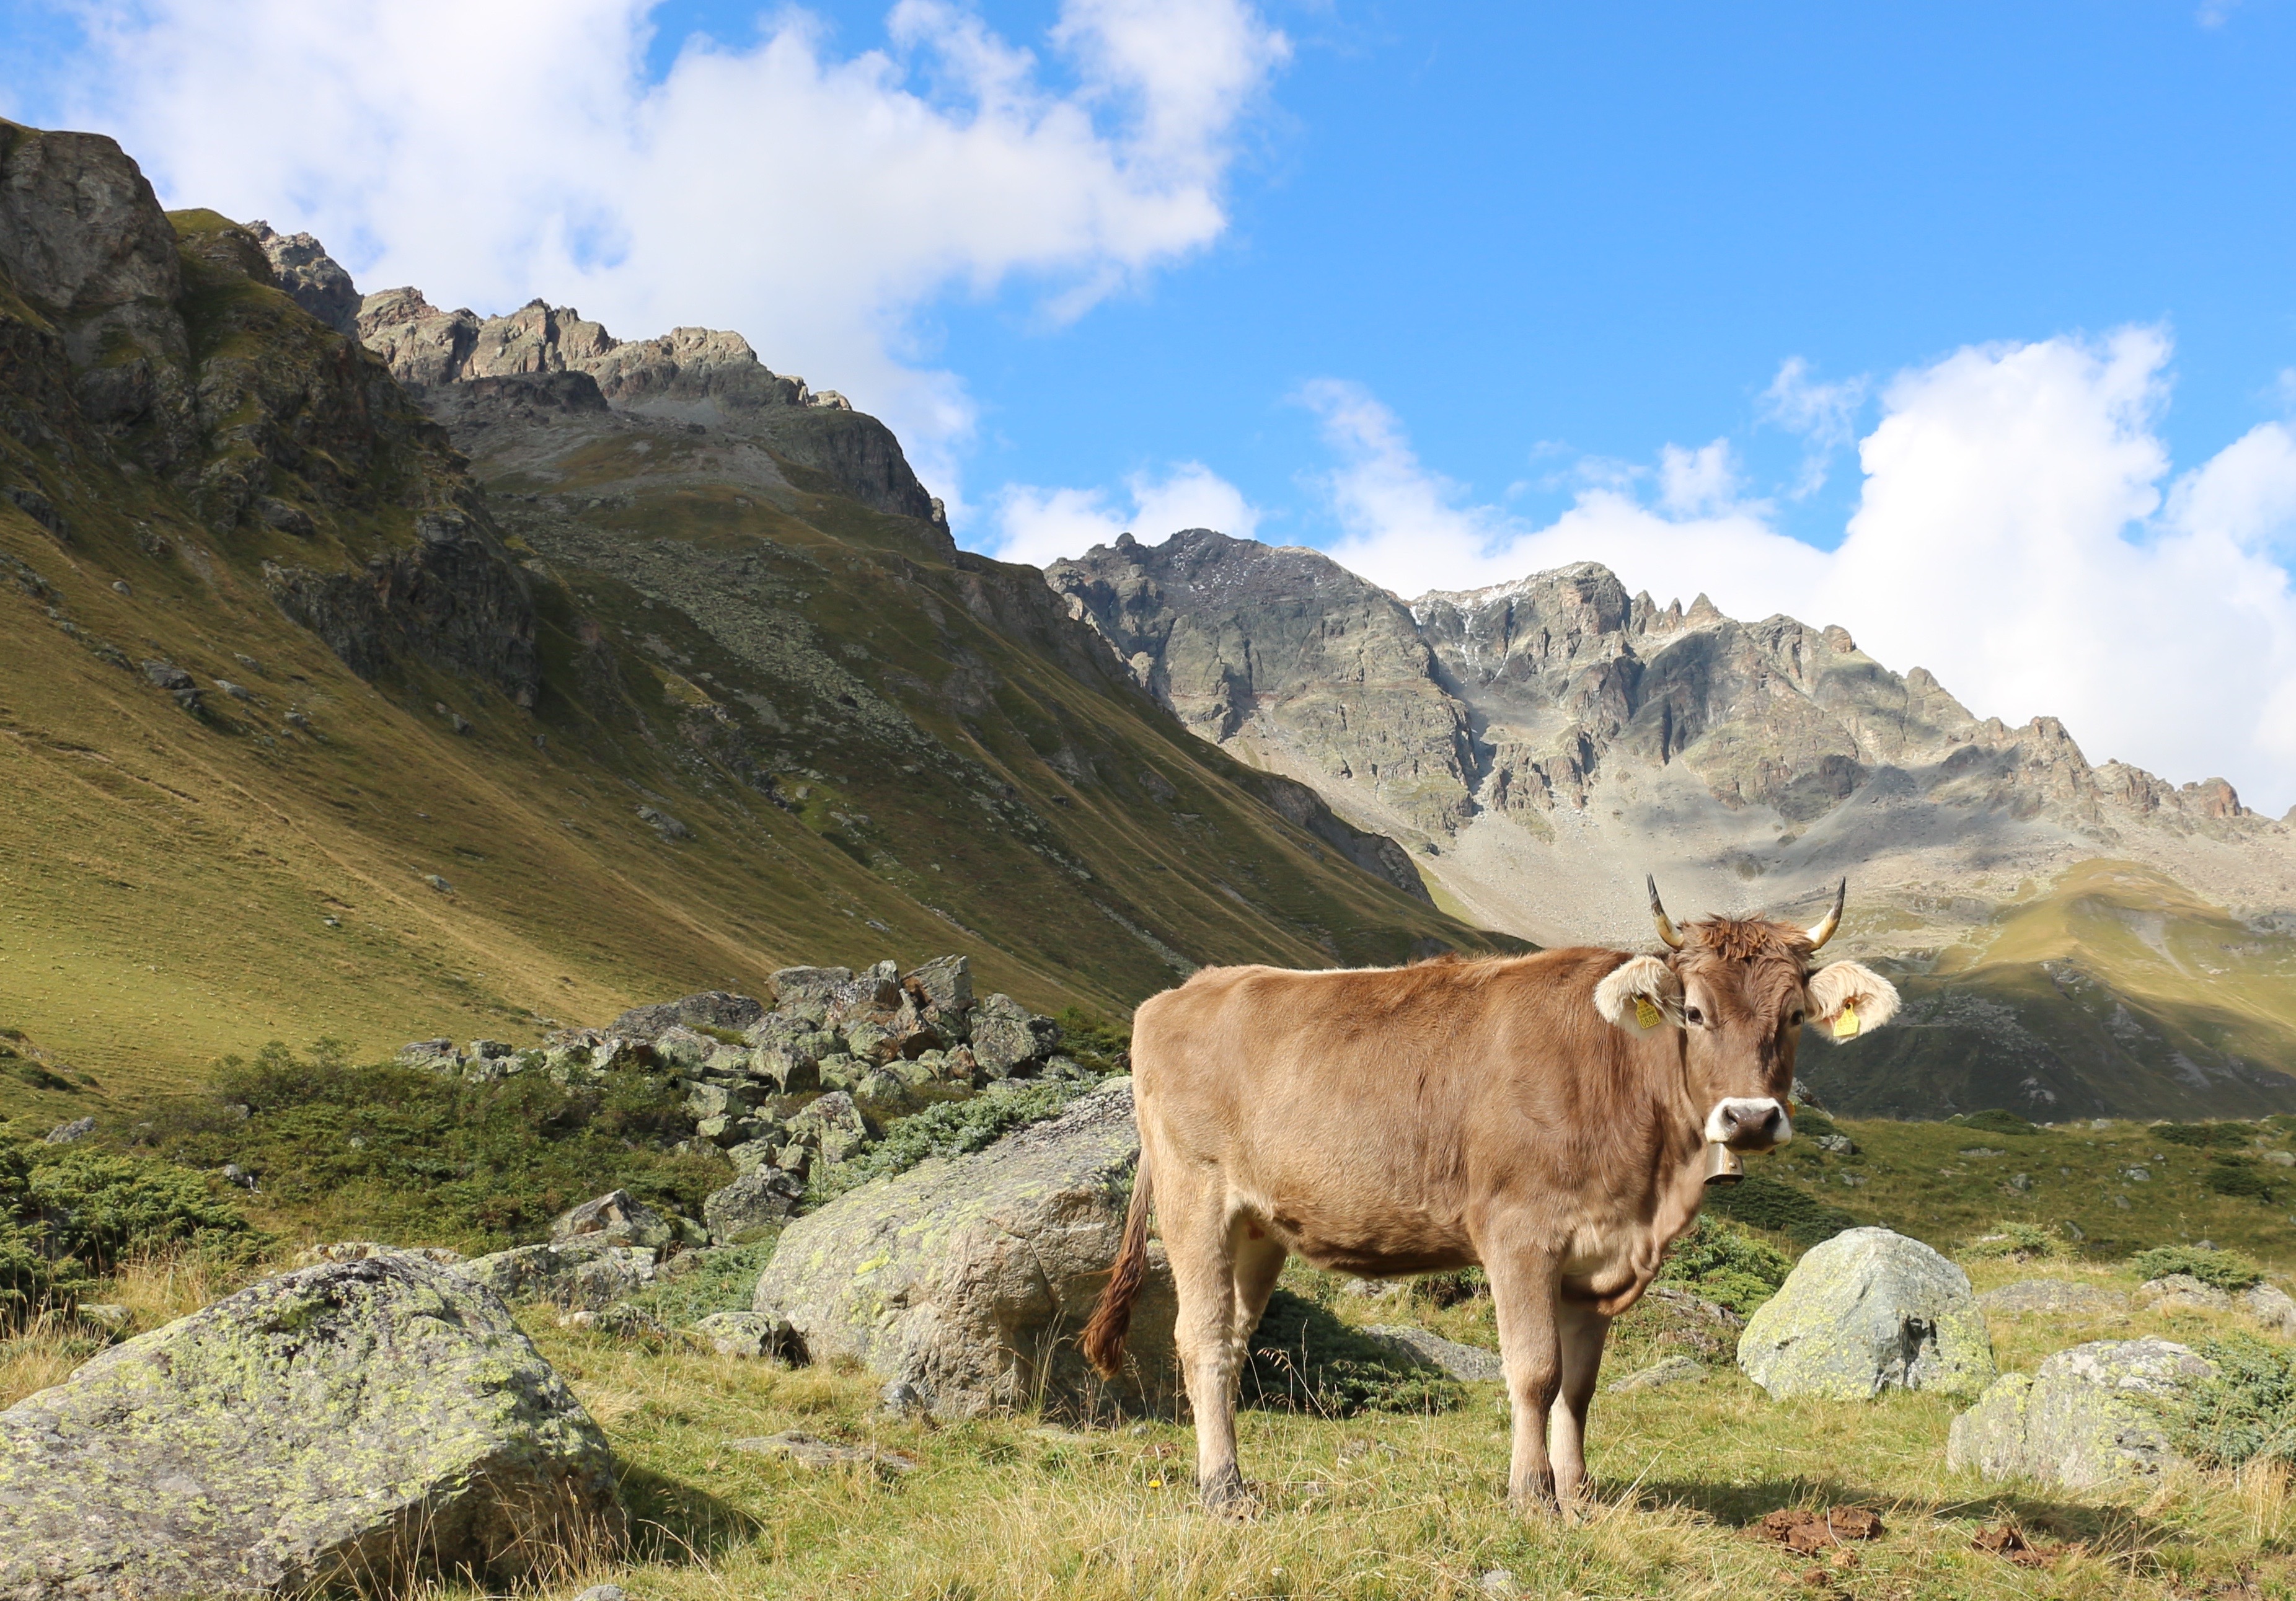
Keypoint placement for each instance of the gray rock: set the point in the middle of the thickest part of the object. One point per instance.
(944, 985)
(682, 1049)
(360, 1251)
(616, 1217)
(313, 279)
(970, 1277)
(709, 1009)
(1006, 1036)
(65, 1134)
(584, 1272)
(2054, 1298)
(760, 1199)
(752, 1336)
(604, 1592)
(356, 1422)
(2085, 1419)
(809, 983)
(2181, 1293)
(1868, 1310)
(669, 828)
(1841, 1145)
(1469, 1363)
(1672, 1370)
(2271, 1306)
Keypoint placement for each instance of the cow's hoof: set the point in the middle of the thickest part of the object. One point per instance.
(1226, 1495)
(1535, 1496)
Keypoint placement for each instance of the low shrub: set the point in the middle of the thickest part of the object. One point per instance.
(1996, 1121)
(1725, 1265)
(1761, 1201)
(1304, 1359)
(1097, 1044)
(2241, 1177)
(2224, 1269)
(419, 1158)
(2204, 1134)
(723, 1280)
(951, 1128)
(2013, 1240)
(2247, 1413)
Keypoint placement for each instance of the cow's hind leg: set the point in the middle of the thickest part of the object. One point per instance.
(1523, 1287)
(1581, 1331)
(1199, 1239)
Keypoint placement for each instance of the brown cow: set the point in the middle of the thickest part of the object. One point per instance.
(1551, 1117)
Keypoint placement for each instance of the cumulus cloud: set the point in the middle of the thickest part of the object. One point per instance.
(2020, 533)
(1824, 414)
(1039, 526)
(816, 202)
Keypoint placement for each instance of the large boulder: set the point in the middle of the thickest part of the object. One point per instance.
(587, 1273)
(616, 1218)
(2086, 1419)
(969, 1279)
(709, 1009)
(1866, 1311)
(352, 1422)
(1006, 1036)
(759, 1199)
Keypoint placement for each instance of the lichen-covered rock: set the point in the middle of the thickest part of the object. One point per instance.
(1865, 1311)
(1006, 1036)
(752, 1336)
(357, 1420)
(1669, 1370)
(757, 1199)
(590, 1273)
(616, 1217)
(359, 1250)
(2085, 1419)
(970, 1277)
(2054, 1298)
(709, 1009)
(1469, 1363)
(2181, 1293)
(2271, 1306)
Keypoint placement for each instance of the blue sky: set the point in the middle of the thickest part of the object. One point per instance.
(1446, 289)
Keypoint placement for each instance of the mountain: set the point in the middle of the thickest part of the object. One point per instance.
(2074, 940)
(504, 674)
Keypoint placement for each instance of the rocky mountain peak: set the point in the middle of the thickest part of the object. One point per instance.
(313, 279)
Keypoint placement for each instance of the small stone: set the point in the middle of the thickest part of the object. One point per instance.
(810, 1451)
(900, 1398)
(2271, 1306)
(604, 1592)
(237, 691)
(438, 884)
(2138, 1175)
(298, 721)
(752, 1336)
(1673, 1370)
(669, 827)
(233, 1173)
(119, 585)
(1423, 1347)
(1840, 1145)
(2181, 1293)
(65, 1134)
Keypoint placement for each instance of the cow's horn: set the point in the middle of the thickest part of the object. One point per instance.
(1826, 924)
(1666, 929)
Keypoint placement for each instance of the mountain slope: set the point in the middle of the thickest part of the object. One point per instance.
(304, 732)
(1541, 745)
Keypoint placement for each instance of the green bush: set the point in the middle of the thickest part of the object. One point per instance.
(1725, 1265)
(1996, 1121)
(2222, 1268)
(1304, 1359)
(2237, 1176)
(724, 1280)
(2204, 1134)
(1097, 1044)
(2013, 1240)
(417, 1158)
(951, 1129)
(1761, 1201)
(2246, 1412)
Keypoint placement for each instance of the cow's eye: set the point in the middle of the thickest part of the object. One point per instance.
(1693, 1014)
(1797, 1017)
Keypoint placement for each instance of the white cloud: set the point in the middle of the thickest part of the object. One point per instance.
(816, 202)
(2018, 534)
(1824, 414)
(1040, 526)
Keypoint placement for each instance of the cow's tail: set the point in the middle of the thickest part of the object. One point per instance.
(1112, 1317)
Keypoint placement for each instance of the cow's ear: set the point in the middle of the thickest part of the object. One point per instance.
(1847, 999)
(1640, 994)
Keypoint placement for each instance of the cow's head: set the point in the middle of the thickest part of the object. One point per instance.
(1738, 991)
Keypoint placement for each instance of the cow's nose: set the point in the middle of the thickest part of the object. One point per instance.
(1749, 1123)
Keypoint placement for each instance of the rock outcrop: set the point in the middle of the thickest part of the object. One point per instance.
(1865, 1311)
(2088, 1417)
(310, 278)
(702, 377)
(969, 1280)
(352, 1423)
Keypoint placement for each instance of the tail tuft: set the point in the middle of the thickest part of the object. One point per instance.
(1112, 1316)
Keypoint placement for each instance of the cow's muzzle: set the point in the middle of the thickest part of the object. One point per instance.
(1749, 1123)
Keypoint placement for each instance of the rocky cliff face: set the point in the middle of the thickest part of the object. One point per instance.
(701, 377)
(1542, 744)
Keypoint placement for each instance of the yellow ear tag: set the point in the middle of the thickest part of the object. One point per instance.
(1647, 1013)
(1845, 1026)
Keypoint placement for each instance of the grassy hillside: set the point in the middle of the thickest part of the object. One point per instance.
(874, 746)
(2112, 991)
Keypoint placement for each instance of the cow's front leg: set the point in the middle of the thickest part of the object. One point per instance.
(1581, 1331)
(1523, 1293)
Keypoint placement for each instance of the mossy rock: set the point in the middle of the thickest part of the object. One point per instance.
(357, 1422)
(1866, 1311)
(2090, 1417)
